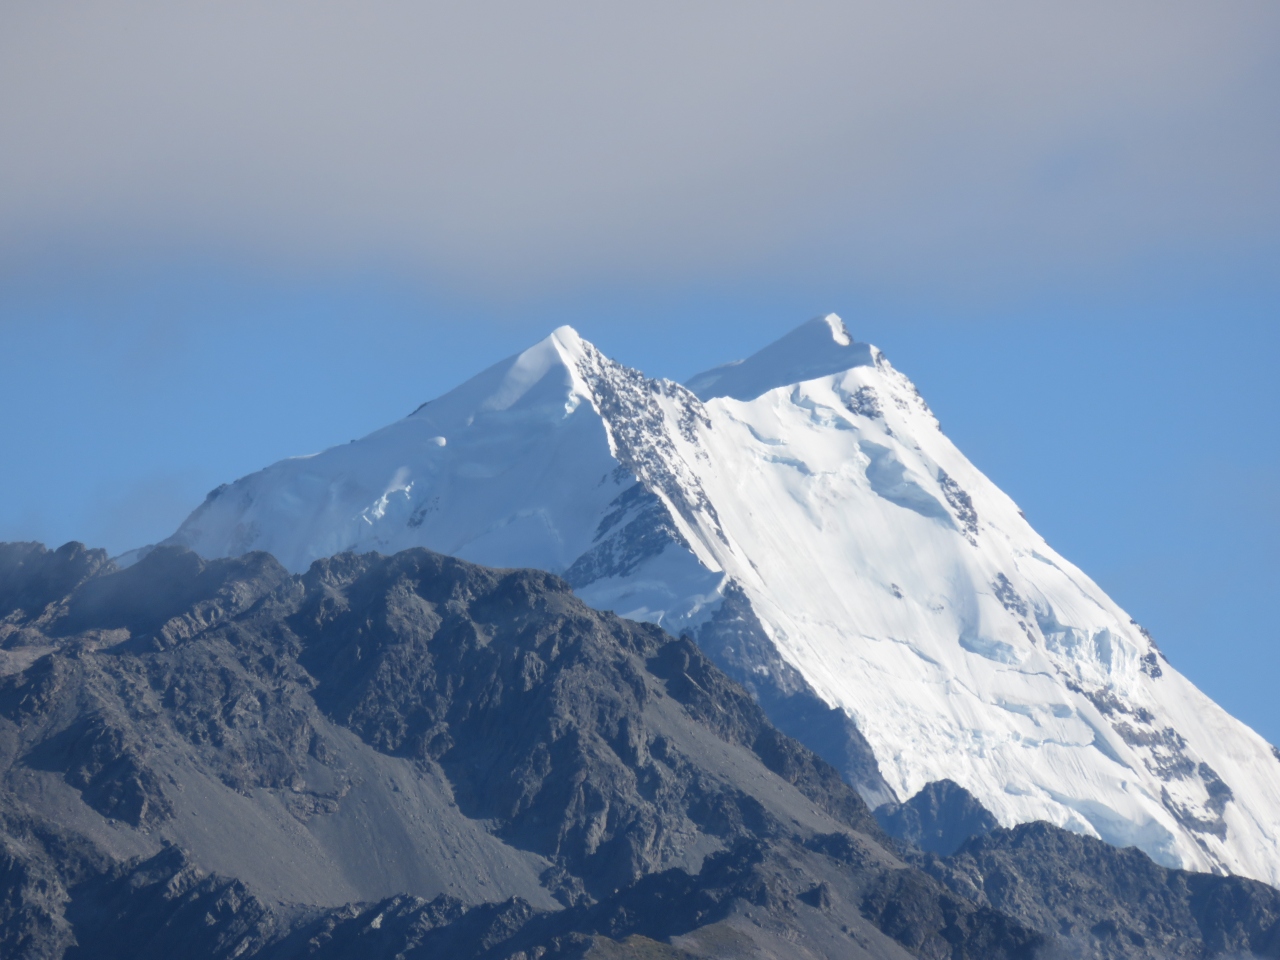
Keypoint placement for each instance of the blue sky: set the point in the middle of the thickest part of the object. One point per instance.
(235, 232)
(1138, 432)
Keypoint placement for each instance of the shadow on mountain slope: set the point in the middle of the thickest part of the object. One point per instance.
(413, 756)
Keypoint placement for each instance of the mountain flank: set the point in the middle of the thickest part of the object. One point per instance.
(414, 756)
(801, 515)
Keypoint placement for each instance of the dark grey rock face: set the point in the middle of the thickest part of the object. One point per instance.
(396, 756)
(637, 528)
(32, 577)
(736, 641)
(1104, 902)
(1098, 900)
(412, 756)
(938, 819)
(149, 911)
(173, 591)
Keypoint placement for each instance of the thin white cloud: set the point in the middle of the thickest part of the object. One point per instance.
(573, 141)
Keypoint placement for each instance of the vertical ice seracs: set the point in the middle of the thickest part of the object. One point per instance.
(802, 515)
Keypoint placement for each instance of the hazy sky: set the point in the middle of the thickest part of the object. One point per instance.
(233, 231)
(961, 145)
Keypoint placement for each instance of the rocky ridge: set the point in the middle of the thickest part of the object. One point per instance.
(412, 756)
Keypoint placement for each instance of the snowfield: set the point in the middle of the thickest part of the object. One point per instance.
(885, 575)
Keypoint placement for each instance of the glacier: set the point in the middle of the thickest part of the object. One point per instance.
(802, 516)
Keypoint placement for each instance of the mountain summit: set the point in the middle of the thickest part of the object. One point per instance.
(801, 515)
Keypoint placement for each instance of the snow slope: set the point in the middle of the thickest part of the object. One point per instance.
(803, 516)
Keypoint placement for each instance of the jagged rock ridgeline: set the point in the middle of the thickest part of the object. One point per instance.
(219, 758)
(938, 819)
(412, 756)
(801, 515)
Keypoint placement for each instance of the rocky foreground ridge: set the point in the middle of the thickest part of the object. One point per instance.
(413, 756)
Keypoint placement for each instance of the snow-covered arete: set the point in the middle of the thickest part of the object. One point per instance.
(803, 516)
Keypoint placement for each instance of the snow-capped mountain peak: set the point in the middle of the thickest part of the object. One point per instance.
(802, 516)
(546, 372)
(815, 349)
